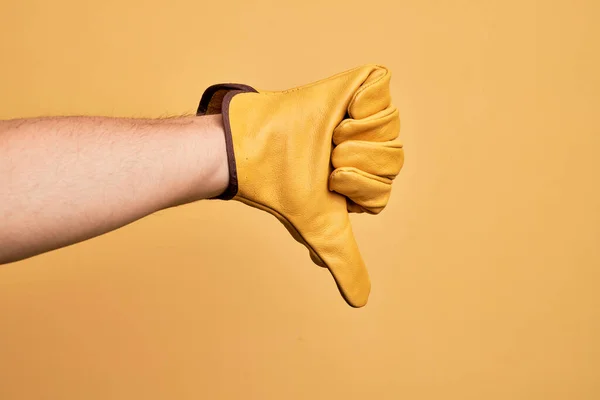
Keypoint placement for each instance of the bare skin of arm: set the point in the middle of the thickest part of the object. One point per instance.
(67, 179)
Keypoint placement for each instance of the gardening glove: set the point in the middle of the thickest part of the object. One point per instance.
(312, 154)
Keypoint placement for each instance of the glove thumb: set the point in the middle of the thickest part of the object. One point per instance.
(334, 246)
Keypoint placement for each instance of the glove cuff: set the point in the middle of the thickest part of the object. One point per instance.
(215, 100)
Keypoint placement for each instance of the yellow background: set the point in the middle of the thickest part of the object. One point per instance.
(485, 265)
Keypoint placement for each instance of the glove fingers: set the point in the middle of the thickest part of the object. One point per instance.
(379, 127)
(377, 158)
(369, 191)
(373, 95)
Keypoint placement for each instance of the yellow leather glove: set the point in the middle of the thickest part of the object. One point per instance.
(312, 154)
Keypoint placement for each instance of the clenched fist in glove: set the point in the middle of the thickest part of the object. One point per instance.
(312, 154)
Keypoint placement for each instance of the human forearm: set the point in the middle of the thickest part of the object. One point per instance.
(67, 179)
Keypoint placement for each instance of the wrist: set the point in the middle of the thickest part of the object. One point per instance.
(203, 172)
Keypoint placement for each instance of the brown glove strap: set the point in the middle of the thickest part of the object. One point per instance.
(216, 100)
